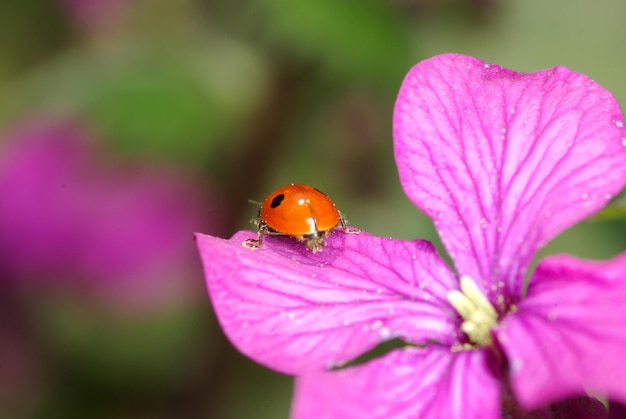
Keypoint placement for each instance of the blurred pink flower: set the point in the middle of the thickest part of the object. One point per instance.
(502, 162)
(121, 232)
(96, 14)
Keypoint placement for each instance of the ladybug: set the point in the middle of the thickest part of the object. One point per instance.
(300, 211)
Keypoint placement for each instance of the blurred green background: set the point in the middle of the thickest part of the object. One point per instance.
(127, 125)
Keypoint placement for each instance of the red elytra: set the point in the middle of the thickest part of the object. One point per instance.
(300, 211)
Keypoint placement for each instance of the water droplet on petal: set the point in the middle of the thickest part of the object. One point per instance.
(618, 123)
(487, 65)
(516, 364)
(385, 333)
(624, 141)
(584, 195)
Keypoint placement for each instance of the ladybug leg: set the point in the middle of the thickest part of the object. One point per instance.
(345, 227)
(261, 231)
(315, 242)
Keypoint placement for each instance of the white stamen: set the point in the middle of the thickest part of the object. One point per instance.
(478, 314)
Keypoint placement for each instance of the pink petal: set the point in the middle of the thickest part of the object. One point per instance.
(291, 310)
(569, 334)
(504, 161)
(617, 410)
(413, 382)
(583, 407)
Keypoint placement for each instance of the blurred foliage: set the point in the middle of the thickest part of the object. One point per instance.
(361, 41)
(155, 106)
(615, 210)
(241, 97)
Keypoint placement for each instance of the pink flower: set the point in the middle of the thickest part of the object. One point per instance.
(70, 217)
(502, 162)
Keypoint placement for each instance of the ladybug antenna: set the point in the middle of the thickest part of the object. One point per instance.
(252, 201)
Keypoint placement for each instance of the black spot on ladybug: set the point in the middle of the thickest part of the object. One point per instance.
(277, 200)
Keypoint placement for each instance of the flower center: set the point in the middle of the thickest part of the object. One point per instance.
(479, 316)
